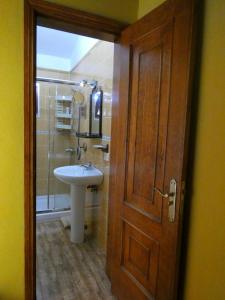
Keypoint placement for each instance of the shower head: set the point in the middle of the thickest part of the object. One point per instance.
(83, 83)
(91, 83)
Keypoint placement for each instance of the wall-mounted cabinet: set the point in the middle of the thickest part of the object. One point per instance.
(64, 112)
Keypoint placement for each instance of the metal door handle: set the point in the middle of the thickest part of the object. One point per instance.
(166, 195)
(172, 199)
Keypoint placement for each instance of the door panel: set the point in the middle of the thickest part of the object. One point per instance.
(148, 121)
(140, 257)
(149, 137)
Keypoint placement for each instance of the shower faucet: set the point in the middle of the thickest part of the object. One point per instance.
(70, 150)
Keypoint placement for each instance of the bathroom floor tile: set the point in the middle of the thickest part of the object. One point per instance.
(66, 271)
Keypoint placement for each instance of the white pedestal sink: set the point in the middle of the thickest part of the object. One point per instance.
(79, 177)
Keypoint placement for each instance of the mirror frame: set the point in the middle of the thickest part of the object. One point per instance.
(95, 91)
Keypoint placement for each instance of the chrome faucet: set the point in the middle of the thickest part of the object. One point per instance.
(87, 165)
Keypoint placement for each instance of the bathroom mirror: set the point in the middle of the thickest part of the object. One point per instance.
(95, 122)
(95, 115)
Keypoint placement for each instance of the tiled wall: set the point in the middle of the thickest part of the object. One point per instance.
(98, 65)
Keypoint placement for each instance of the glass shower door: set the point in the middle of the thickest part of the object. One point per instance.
(52, 194)
(60, 140)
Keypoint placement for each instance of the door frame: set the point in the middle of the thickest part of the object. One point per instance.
(79, 22)
(71, 20)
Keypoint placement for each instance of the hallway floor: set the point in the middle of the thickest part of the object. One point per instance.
(66, 271)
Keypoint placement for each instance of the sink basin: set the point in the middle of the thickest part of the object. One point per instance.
(79, 177)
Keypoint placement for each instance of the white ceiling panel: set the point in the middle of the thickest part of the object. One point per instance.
(59, 50)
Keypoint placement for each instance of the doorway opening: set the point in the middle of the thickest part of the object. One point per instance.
(67, 112)
(74, 75)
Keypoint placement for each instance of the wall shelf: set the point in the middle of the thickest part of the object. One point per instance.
(64, 98)
(66, 127)
(64, 112)
(87, 135)
(64, 116)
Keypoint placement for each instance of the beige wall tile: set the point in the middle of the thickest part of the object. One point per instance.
(98, 65)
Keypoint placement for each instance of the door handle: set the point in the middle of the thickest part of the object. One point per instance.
(162, 194)
(172, 199)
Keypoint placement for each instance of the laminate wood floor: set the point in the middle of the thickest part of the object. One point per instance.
(67, 271)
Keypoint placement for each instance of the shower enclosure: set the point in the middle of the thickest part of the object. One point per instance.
(55, 142)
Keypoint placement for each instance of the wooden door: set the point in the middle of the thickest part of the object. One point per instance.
(153, 66)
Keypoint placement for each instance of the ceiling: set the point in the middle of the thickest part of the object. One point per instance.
(59, 50)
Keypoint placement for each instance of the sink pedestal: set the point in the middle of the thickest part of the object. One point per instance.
(79, 177)
(77, 194)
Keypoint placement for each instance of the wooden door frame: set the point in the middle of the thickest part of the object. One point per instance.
(79, 22)
(71, 20)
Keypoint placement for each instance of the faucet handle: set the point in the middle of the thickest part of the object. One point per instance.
(71, 150)
(87, 165)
